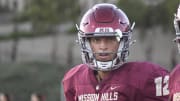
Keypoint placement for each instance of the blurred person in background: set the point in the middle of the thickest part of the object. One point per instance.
(37, 97)
(174, 81)
(105, 35)
(5, 97)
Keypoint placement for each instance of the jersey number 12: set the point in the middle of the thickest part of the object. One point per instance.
(162, 85)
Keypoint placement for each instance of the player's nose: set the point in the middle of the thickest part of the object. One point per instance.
(103, 44)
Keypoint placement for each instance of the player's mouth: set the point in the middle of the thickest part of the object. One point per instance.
(104, 56)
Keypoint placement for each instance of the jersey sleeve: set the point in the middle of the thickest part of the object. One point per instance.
(69, 83)
(174, 82)
(156, 87)
(69, 95)
(68, 90)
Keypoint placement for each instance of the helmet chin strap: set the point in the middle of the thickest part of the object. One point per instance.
(104, 66)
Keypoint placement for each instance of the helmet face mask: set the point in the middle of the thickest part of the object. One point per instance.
(104, 20)
(177, 28)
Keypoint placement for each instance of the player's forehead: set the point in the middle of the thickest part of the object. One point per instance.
(113, 38)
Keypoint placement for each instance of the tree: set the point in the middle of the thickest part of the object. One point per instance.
(147, 16)
(151, 16)
(45, 15)
(170, 8)
(135, 10)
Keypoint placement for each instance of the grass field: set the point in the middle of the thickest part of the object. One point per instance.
(20, 80)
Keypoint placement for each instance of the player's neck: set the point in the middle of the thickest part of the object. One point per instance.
(100, 75)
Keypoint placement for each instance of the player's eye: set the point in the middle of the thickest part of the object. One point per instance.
(95, 39)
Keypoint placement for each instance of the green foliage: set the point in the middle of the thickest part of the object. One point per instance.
(135, 10)
(42, 11)
(147, 16)
(69, 10)
(170, 8)
(21, 80)
(45, 14)
(52, 11)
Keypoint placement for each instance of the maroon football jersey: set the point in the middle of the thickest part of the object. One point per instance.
(174, 81)
(133, 81)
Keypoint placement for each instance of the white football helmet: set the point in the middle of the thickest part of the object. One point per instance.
(177, 27)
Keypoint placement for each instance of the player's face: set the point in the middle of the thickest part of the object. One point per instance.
(176, 97)
(34, 98)
(2, 97)
(104, 48)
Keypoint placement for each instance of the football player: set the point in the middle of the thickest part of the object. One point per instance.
(174, 81)
(105, 36)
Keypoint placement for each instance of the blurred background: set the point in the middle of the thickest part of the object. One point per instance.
(37, 41)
